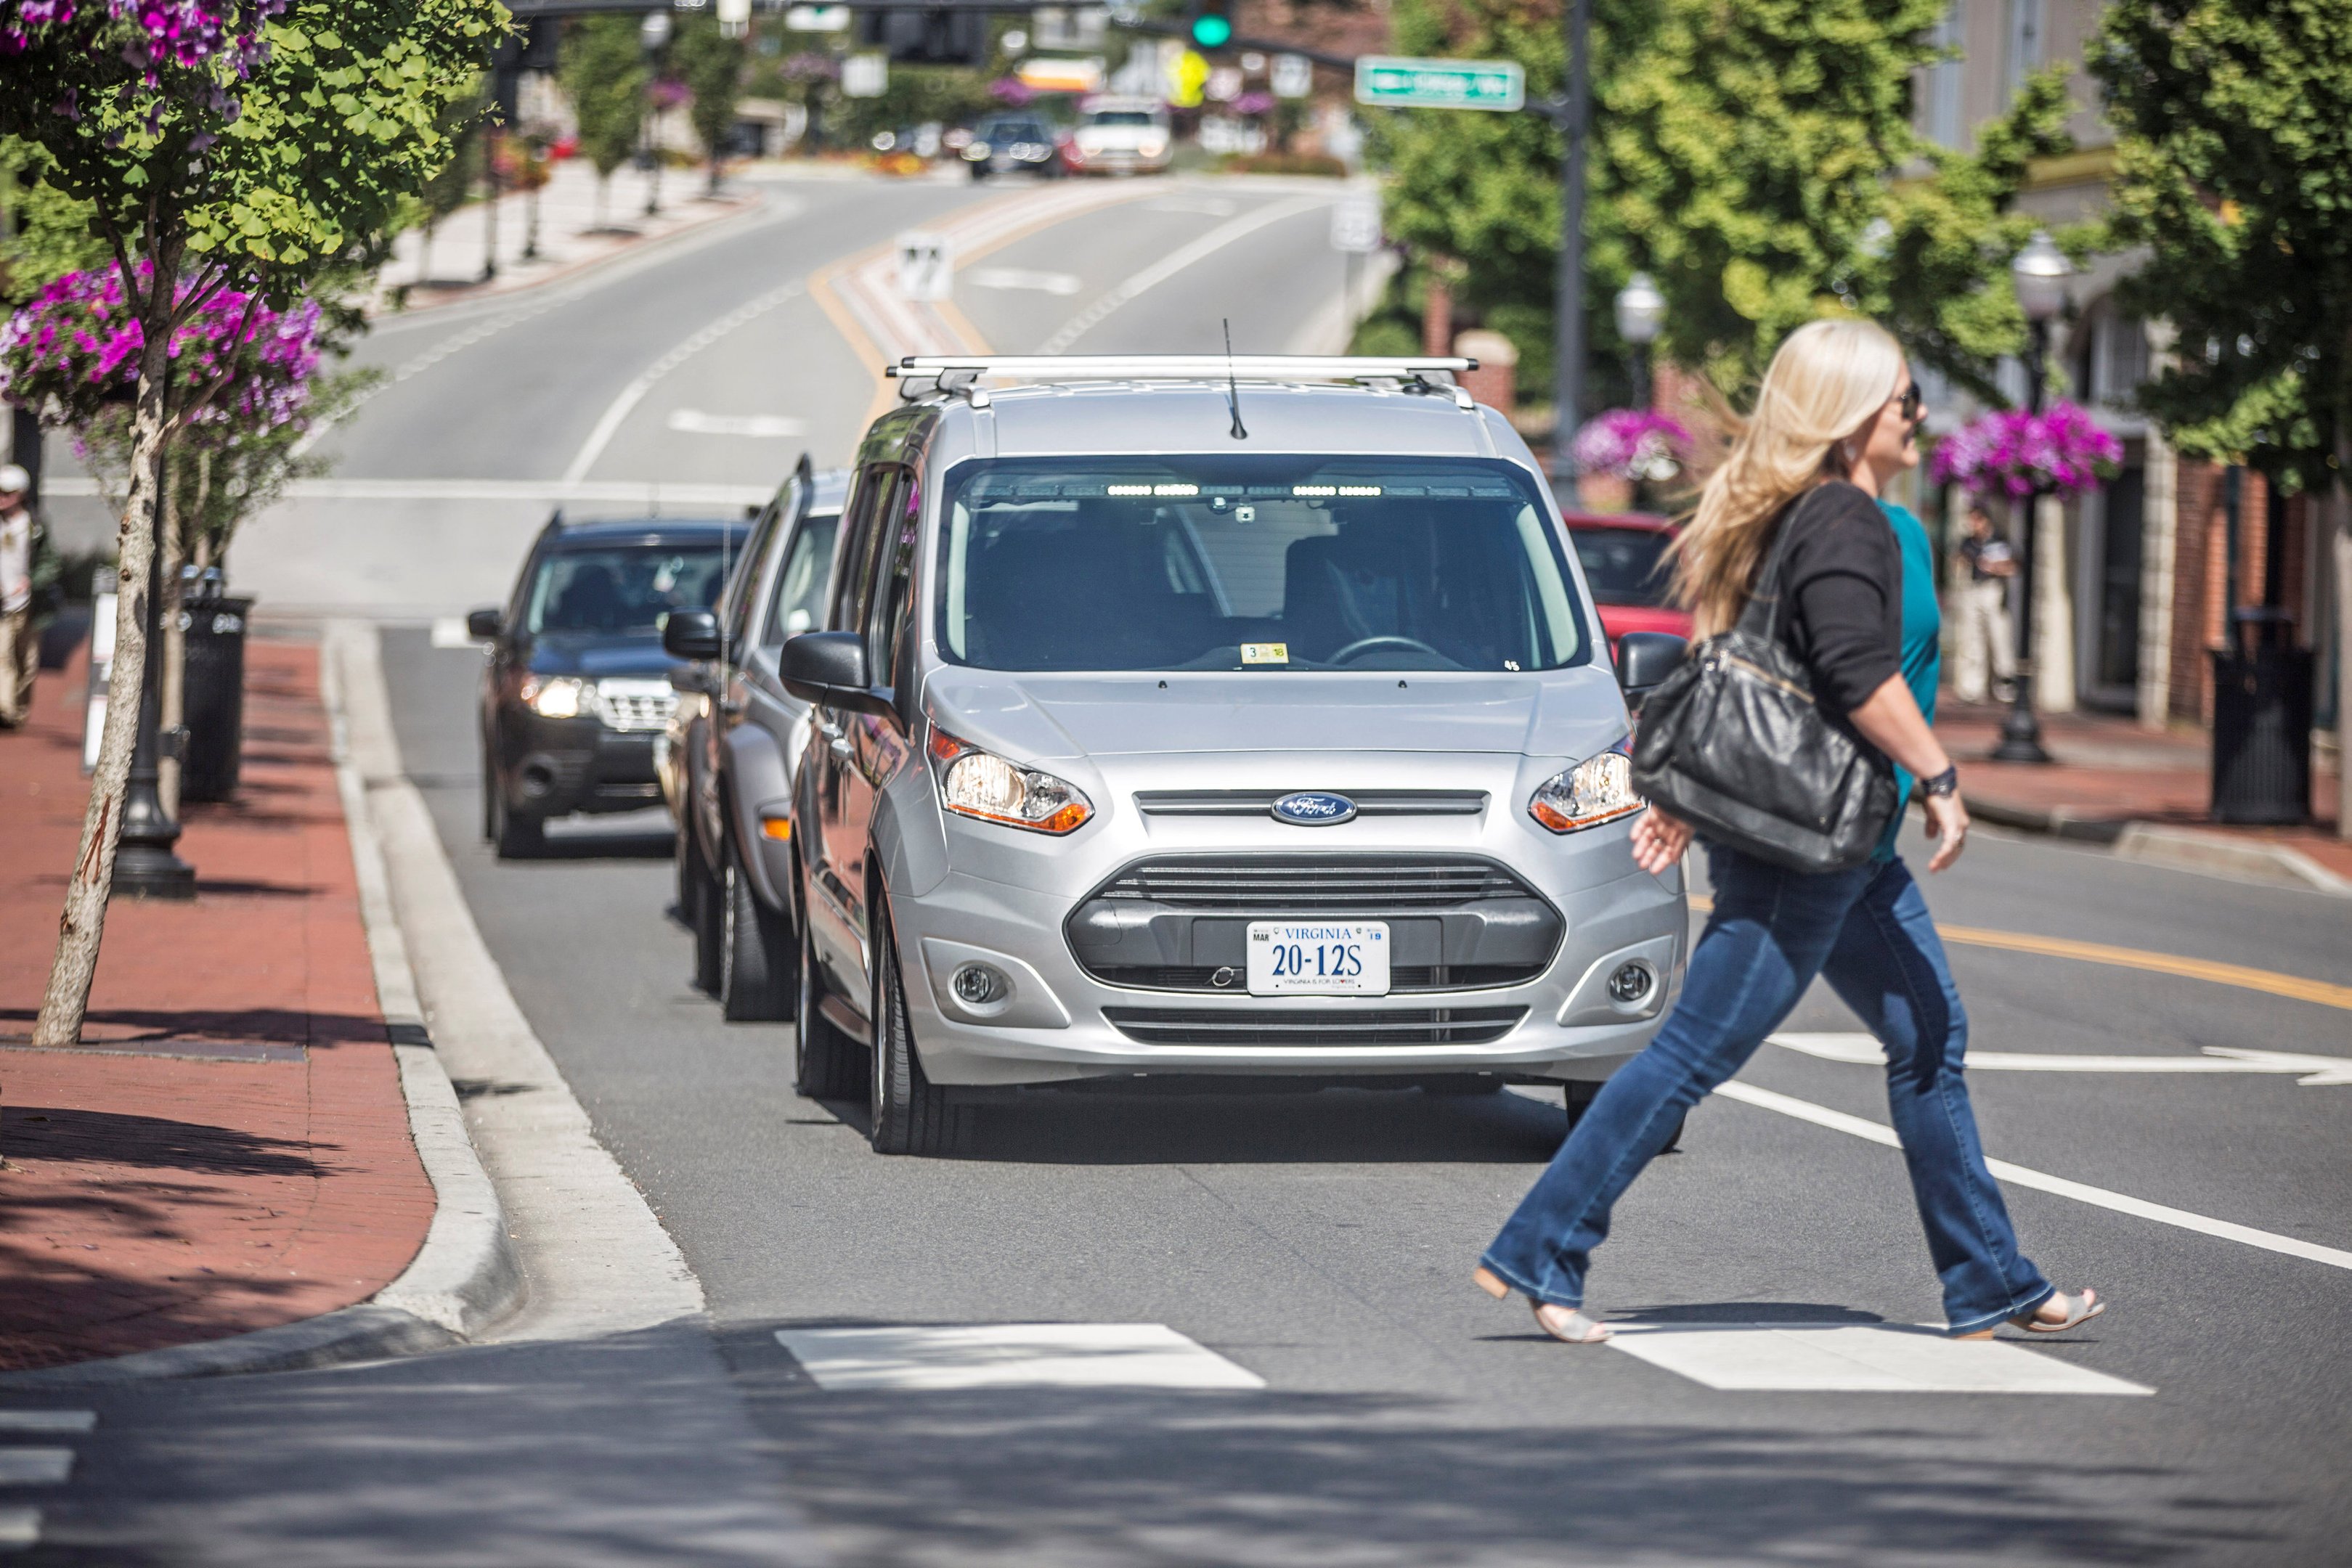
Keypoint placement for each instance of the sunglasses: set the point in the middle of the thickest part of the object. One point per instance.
(1914, 403)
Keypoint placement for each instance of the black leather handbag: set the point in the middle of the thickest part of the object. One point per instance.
(1734, 744)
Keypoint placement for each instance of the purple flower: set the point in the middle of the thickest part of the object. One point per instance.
(2016, 454)
(1631, 444)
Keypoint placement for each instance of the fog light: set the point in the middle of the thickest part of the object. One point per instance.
(977, 985)
(1630, 984)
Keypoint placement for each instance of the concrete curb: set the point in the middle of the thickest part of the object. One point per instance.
(466, 1275)
(2180, 849)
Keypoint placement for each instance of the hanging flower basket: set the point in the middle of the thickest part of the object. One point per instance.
(2011, 453)
(1616, 449)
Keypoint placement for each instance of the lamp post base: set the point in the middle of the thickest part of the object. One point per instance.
(2021, 731)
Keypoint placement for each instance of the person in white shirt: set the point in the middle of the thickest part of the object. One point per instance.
(28, 567)
(1984, 637)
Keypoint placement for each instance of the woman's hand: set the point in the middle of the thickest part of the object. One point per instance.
(1947, 825)
(1659, 839)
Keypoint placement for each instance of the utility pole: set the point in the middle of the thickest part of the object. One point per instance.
(1568, 326)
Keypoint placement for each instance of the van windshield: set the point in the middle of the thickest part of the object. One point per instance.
(1244, 563)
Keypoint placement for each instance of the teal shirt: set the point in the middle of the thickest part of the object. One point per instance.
(1923, 637)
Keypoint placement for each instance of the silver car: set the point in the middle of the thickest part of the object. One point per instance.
(1211, 718)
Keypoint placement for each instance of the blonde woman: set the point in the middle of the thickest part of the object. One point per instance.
(1834, 423)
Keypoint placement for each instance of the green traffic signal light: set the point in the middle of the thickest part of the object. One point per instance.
(1212, 31)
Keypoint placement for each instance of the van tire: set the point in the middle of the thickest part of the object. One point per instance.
(909, 1114)
(753, 973)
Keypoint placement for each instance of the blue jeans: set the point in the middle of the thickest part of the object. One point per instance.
(1868, 933)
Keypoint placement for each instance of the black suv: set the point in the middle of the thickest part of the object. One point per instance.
(737, 749)
(575, 689)
(1013, 143)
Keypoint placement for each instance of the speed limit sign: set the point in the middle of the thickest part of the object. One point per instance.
(1355, 223)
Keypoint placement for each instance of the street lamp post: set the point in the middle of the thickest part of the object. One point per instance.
(1571, 115)
(2040, 275)
(1640, 311)
(653, 33)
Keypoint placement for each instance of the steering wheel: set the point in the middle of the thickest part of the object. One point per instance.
(1366, 644)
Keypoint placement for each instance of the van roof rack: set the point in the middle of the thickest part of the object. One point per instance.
(1182, 367)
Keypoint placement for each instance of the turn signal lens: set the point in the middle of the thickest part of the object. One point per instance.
(976, 783)
(777, 828)
(1596, 790)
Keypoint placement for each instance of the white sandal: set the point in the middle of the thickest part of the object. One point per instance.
(1567, 1324)
(2079, 1310)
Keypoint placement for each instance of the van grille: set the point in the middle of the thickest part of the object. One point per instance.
(1314, 885)
(1402, 977)
(1334, 1027)
(1260, 802)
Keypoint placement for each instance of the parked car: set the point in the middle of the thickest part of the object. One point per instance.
(575, 690)
(1243, 725)
(1012, 144)
(1626, 565)
(1118, 136)
(737, 743)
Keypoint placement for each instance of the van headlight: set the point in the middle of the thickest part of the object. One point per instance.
(1596, 790)
(557, 696)
(976, 783)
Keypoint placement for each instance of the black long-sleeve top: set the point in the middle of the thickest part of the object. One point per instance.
(1841, 594)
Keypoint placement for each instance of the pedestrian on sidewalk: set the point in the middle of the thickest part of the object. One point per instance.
(1834, 422)
(28, 576)
(1988, 563)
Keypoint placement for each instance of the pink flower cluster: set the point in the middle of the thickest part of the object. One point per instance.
(2018, 454)
(76, 347)
(1631, 444)
(151, 35)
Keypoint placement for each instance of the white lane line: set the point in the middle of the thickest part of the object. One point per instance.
(20, 1529)
(1176, 261)
(694, 421)
(631, 492)
(1863, 1049)
(1012, 1356)
(630, 395)
(1854, 1358)
(35, 1466)
(1021, 277)
(47, 1420)
(2042, 1181)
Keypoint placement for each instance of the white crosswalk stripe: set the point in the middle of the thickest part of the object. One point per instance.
(1012, 1356)
(1854, 1358)
(47, 1420)
(29, 1466)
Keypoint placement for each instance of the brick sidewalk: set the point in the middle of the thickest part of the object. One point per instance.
(229, 1150)
(2110, 774)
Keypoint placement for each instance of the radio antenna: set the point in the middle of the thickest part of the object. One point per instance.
(1233, 389)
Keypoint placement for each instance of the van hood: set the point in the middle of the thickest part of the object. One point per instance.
(1040, 719)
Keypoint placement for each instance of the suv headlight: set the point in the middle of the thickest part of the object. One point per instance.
(976, 783)
(1596, 790)
(557, 696)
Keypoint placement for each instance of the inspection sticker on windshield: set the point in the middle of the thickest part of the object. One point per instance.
(1265, 653)
(1300, 958)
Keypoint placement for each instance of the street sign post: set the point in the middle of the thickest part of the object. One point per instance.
(1389, 81)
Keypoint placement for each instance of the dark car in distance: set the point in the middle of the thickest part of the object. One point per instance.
(1626, 564)
(1011, 144)
(575, 689)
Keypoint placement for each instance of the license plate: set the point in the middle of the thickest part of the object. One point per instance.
(1289, 958)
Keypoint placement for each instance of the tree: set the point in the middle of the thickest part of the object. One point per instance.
(2233, 170)
(710, 64)
(219, 143)
(601, 69)
(1758, 160)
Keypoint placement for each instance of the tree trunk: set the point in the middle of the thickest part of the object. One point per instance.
(172, 703)
(83, 921)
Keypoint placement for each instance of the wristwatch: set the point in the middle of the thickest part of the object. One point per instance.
(1948, 782)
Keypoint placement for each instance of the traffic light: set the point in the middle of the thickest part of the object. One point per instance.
(1213, 23)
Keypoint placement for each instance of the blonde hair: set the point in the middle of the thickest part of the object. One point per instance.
(1828, 381)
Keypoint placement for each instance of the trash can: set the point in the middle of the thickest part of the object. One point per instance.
(2261, 727)
(212, 698)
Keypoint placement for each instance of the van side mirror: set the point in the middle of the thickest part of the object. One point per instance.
(1644, 659)
(484, 625)
(828, 668)
(690, 634)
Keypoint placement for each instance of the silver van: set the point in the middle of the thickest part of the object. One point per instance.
(1213, 717)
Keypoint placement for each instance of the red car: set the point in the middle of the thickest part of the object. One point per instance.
(1625, 559)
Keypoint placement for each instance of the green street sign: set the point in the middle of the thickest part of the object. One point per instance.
(1386, 81)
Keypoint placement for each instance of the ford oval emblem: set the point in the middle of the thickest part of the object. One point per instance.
(1314, 809)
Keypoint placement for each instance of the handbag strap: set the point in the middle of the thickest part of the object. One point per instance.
(1767, 589)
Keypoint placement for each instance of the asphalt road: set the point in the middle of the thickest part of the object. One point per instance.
(1321, 1242)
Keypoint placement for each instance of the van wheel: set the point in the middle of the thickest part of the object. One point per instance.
(826, 1061)
(698, 900)
(752, 972)
(909, 1114)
